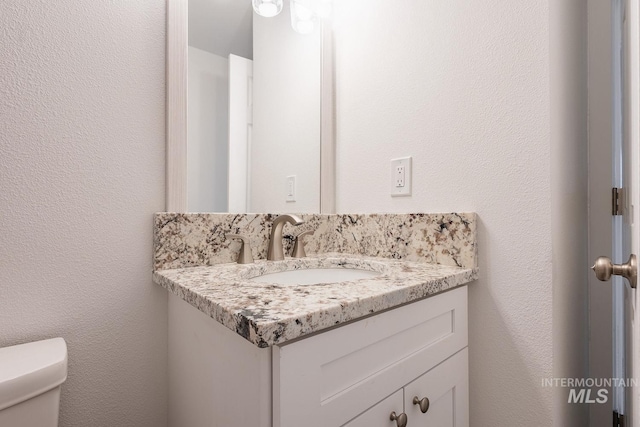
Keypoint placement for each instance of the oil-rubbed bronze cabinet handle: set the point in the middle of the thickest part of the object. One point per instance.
(424, 403)
(401, 420)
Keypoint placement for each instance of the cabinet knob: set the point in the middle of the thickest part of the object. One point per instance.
(423, 403)
(401, 420)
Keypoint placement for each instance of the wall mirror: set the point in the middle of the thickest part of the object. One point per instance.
(249, 107)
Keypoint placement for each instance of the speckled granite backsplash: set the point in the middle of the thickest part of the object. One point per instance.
(197, 239)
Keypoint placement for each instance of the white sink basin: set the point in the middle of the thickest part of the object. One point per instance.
(314, 276)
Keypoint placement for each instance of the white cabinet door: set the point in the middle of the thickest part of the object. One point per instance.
(379, 415)
(447, 388)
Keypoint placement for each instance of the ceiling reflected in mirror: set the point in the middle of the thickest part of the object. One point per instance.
(221, 27)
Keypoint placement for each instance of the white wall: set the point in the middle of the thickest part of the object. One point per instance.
(286, 115)
(82, 142)
(464, 88)
(240, 125)
(208, 132)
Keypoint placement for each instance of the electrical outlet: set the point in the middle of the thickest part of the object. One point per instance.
(401, 176)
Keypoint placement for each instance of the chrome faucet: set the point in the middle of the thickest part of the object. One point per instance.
(276, 251)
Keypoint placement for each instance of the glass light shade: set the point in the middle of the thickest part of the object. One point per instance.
(302, 16)
(267, 8)
(302, 10)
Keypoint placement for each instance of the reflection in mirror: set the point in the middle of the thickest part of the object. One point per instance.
(254, 98)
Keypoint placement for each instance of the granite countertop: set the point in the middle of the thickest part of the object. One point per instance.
(268, 314)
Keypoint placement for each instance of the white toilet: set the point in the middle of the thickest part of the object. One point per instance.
(30, 378)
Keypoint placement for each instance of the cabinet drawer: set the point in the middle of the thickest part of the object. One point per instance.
(328, 379)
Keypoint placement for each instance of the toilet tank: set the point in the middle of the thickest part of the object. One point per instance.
(30, 379)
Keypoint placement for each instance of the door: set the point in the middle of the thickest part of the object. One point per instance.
(240, 125)
(379, 414)
(626, 233)
(631, 174)
(438, 398)
(441, 396)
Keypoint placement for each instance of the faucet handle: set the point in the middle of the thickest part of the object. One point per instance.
(245, 256)
(298, 246)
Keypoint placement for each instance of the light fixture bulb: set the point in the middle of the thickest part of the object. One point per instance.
(303, 13)
(302, 16)
(267, 8)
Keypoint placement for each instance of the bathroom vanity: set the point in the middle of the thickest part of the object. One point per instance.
(387, 350)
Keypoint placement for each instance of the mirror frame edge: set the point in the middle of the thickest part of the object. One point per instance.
(176, 112)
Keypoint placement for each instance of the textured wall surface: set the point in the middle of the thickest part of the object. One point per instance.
(463, 87)
(82, 140)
